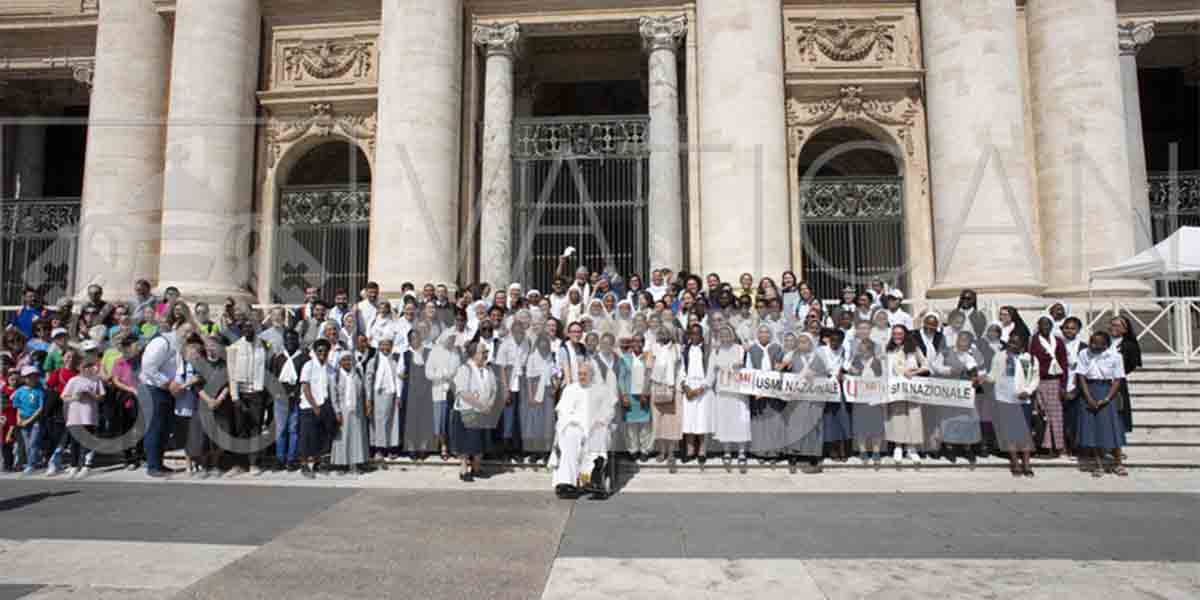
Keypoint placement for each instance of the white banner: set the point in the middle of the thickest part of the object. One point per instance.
(784, 386)
(858, 390)
(936, 392)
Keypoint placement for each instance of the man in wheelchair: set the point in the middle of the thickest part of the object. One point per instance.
(585, 414)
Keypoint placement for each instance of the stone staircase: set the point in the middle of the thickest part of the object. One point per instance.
(1166, 416)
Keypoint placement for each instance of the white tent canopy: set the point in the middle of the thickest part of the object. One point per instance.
(1177, 257)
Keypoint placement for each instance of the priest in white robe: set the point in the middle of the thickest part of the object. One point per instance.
(584, 415)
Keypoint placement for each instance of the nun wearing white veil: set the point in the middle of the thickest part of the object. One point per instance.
(537, 399)
(440, 368)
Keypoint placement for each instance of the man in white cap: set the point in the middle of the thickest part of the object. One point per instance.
(896, 315)
(54, 354)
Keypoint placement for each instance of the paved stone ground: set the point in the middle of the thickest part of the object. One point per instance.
(419, 534)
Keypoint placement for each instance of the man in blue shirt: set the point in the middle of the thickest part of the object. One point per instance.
(31, 310)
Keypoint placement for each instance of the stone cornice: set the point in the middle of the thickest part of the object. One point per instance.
(663, 33)
(500, 39)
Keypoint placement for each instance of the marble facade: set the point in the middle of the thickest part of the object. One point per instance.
(200, 109)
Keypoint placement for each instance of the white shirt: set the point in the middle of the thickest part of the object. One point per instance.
(158, 363)
(318, 382)
(657, 291)
(900, 318)
(368, 312)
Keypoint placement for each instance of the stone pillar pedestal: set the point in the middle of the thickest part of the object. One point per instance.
(983, 215)
(1131, 37)
(661, 37)
(414, 206)
(743, 139)
(120, 225)
(496, 211)
(1082, 151)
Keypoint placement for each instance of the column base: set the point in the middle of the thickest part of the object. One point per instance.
(1103, 288)
(1029, 288)
(205, 291)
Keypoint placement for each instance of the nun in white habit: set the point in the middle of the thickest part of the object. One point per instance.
(440, 369)
(385, 388)
(350, 446)
(537, 399)
(584, 413)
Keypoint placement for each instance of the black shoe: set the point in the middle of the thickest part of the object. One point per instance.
(466, 477)
(566, 491)
(292, 468)
(597, 483)
(158, 474)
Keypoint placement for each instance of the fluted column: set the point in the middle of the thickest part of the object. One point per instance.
(1082, 151)
(499, 42)
(30, 158)
(1130, 38)
(661, 37)
(120, 225)
(415, 196)
(983, 214)
(743, 138)
(209, 177)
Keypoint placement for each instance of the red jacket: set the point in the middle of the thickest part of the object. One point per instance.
(1043, 357)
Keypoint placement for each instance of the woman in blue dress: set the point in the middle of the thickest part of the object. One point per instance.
(1100, 375)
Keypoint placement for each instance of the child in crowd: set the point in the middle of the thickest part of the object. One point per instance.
(81, 398)
(30, 400)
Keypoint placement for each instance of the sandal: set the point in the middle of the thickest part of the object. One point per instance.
(1120, 471)
(1097, 473)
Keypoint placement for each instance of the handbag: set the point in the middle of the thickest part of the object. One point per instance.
(662, 395)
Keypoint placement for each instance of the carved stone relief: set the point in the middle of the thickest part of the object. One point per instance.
(321, 121)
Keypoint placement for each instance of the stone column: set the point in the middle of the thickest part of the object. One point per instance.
(416, 187)
(1131, 37)
(209, 178)
(983, 216)
(1082, 152)
(743, 138)
(661, 37)
(120, 224)
(30, 158)
(499, 42)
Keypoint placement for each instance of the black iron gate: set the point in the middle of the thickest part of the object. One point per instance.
(853, 232)
(39, 242)
(1174, 203)
(579, 182)
(322, 240)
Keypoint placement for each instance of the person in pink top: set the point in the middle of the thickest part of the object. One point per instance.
(81, 398)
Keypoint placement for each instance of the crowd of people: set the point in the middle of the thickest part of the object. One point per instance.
(598, 367)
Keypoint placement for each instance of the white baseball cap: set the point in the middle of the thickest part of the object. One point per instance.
(57, 332)
(29, 370)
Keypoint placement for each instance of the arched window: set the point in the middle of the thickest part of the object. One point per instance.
(324, 222)
(851, 207)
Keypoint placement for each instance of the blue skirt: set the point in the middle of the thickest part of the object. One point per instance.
(464, 440)
(1104, 428)
(836, 422)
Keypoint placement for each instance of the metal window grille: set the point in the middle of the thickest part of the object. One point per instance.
(580, 182)
(323, 240)
(39, 242)
(853, 231)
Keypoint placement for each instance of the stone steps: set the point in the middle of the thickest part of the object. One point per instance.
(1173, 434)
(1178, 400)
(1145, 418)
